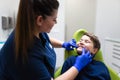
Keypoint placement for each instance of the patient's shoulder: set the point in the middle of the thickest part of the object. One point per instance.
(98, 64)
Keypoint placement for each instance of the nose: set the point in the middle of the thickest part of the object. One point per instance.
(80, 43)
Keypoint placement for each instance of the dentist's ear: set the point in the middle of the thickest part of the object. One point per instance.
(39, 20)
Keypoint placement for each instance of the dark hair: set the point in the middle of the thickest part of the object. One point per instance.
(93, 38)
(26, 18)
(45, 7)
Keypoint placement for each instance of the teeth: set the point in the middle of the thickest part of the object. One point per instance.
(71, 47)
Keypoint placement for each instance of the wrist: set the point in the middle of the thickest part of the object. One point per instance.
(77, 67)
(63, 44)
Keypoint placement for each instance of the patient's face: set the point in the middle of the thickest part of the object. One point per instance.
(86, 42)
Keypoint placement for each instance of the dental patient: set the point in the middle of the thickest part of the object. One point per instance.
(95, 70)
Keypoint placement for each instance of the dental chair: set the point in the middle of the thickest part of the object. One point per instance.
(77, 35)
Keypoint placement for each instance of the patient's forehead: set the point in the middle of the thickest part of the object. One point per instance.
(85, 37)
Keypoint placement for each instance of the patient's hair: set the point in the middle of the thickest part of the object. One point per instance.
(93, 38)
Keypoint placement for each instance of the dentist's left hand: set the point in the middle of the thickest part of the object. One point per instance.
(83, 59)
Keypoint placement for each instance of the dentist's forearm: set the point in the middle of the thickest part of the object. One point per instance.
(56, 43)
(68, 75)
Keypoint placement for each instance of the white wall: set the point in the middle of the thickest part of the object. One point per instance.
(108, 20)
(7, 9)
(108, 27)
(79, 14)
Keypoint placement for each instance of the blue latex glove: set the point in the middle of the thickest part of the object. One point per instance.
(83, 59)
(70, 45)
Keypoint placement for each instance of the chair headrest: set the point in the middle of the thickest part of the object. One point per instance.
(77, 35)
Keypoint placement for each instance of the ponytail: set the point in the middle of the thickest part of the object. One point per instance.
(24, 29)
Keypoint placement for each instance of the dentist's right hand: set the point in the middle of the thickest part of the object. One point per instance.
(83, 59)
(70, 45)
